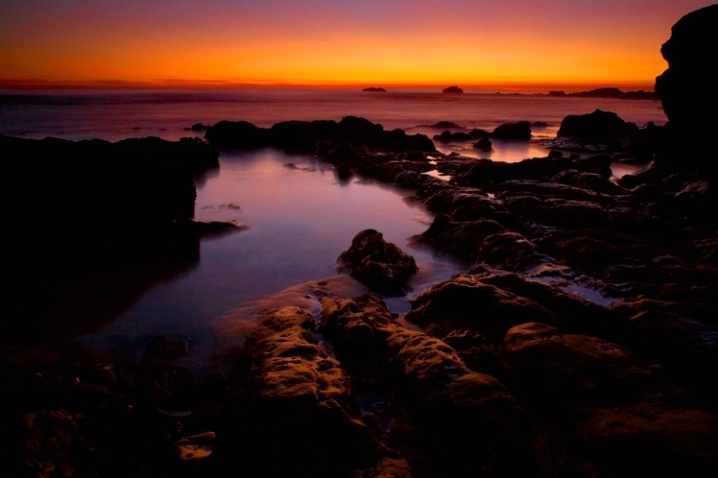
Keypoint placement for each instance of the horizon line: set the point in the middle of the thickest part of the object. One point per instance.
(507, 86)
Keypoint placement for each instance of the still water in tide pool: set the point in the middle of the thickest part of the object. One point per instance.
(299, 216)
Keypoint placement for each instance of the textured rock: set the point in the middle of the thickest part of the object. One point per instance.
(380, 265)
(465, 302)
(446, 418)
(293, 407)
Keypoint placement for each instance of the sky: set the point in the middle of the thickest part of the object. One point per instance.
(514, 43)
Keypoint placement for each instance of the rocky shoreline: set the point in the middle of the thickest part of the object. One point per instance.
(580, 340)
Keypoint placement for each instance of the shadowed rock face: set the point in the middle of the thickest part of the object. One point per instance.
(94, 225)
(687, 90)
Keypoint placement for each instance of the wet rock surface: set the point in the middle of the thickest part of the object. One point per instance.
(293, 410)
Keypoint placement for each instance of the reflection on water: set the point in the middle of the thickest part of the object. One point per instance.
(509, 151)
(300, 219)
(503, 150)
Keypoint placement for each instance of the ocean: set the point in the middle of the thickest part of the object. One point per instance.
(300, 217)
(119, 114)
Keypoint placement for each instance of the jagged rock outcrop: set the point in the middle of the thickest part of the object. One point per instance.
(687, 92)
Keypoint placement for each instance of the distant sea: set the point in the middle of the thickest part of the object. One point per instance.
(300, 218)
(118, 114)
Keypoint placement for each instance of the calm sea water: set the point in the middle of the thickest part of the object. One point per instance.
(300, 218)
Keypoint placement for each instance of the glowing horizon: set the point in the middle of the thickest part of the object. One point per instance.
(475, 44)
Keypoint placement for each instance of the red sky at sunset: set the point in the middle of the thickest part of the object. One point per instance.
(336, 42)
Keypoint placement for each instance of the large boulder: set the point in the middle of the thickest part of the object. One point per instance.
(382, 266)
(520, 130)
(603, 127)
(687, 91)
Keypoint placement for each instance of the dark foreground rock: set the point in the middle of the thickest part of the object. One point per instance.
(94, 224)
(686, 92)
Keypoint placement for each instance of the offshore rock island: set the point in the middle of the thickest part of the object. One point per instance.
(452, 89)
(580, 339)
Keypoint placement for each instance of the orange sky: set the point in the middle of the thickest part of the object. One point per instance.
(331, 42)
